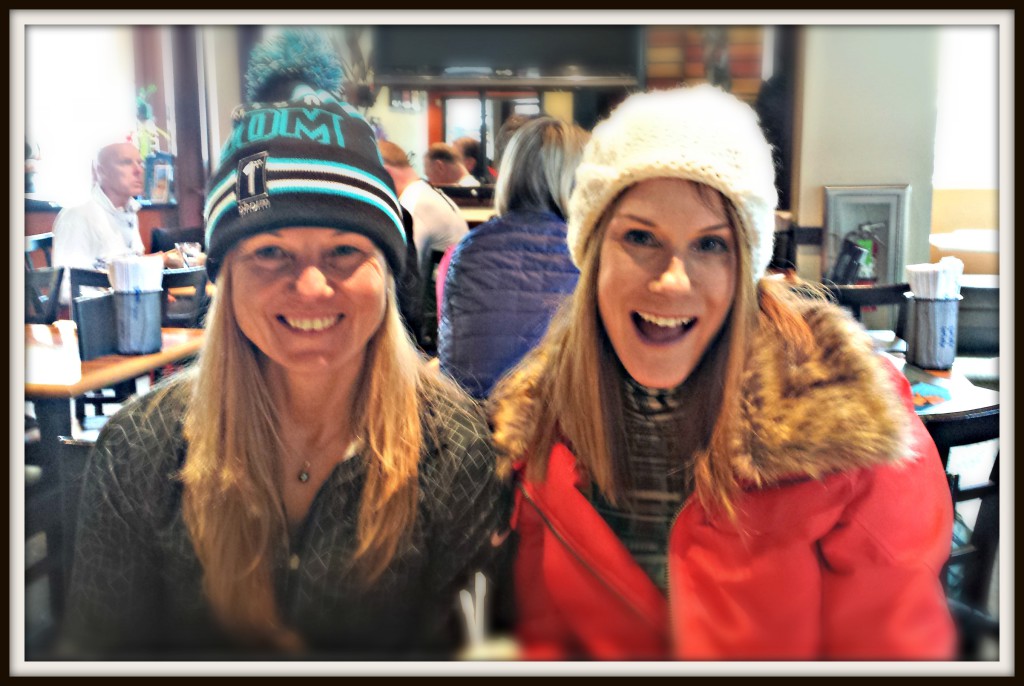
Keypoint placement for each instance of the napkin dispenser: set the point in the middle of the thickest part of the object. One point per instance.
(933, 313)
(931, 332)
(94, 318)
(137, 303)
(138, 322)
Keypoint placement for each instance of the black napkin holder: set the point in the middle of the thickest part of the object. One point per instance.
(94, 317)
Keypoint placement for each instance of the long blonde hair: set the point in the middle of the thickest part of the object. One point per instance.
(232, 493)
(552, 396)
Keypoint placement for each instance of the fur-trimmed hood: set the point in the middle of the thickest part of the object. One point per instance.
(831, 410)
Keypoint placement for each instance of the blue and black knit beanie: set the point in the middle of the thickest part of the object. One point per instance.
(299, 156)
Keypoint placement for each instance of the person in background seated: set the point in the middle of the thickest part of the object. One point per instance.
(107, 224)
(475, 164)
(437, 223)
(506, 277)
(444, 167)
(710, 466)
(310, 489)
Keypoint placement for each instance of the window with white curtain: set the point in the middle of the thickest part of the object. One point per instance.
(966, 136)
(79, 96)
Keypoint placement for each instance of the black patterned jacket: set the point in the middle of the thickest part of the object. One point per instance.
(136, 581)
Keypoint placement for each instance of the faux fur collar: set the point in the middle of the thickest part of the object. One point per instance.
(836, 409)
(833, 410)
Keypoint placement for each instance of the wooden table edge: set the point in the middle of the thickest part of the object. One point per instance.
(105, 374)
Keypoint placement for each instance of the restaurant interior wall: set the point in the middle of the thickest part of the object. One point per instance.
(965, 200)
(223, 67)
(80, 89)
(866, 115)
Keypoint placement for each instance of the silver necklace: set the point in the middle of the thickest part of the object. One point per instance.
(350, 450)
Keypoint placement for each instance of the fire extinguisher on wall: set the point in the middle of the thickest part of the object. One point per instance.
(866, 236)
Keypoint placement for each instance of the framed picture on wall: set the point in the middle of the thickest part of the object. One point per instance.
(871, 222)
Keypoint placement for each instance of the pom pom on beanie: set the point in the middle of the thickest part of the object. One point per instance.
(300, 156)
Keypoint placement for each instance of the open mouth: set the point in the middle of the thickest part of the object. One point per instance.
(310, 324)
(656, 329)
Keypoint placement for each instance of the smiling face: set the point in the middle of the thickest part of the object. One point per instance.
(667, 278)
(310, 298)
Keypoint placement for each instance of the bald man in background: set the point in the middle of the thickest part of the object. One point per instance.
(107, 225)
(444, 166)
(436, 222)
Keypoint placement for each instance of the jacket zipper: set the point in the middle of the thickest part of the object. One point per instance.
(668, 577)
(582, 561)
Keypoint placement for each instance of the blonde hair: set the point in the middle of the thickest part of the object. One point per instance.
(232, 493)
(538, 167)
(552, 397)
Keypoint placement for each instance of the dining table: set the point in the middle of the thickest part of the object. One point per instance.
(943, 392)
(55, 373)
(475, 216)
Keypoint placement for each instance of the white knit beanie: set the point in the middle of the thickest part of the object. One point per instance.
(698, 133)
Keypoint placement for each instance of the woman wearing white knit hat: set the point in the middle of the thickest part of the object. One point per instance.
(710, 467)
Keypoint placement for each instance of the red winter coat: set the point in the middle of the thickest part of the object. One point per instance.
(826, 562)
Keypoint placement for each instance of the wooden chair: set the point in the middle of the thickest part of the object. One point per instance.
(83, 278)
(72, 459)
(163, 239)
(469, 196)
(42, 294)
(93, 278)
(429, 306)
(855, 298)
(976, 557)
(44, 544)
(42, 244)
(52, 496)
(185, 310)
(977, 332)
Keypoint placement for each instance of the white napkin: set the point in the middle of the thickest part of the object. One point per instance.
(939, 281)
(136, 273)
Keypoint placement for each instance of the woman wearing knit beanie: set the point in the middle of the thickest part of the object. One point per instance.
(709, 467)
(310, 488)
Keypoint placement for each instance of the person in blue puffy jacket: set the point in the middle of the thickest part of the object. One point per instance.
(507, 277)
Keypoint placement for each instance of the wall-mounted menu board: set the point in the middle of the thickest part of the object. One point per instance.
(508, 52)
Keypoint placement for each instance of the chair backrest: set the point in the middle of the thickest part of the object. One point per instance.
(469, 196)
(92, 278)
(429, 307)
(969, 574)
(96, 320)
(79, 278)
(188, 308)
(855, 298)
(42, 294)
(42, 244)
(163, 239)
(977, 330)
(74, 456)
(962, 428)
